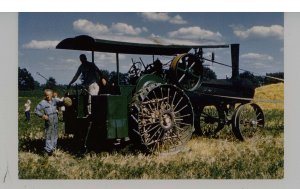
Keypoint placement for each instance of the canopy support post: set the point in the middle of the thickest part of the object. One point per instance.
(117, 58)
(93, 59)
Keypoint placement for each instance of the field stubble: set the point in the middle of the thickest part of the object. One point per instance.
(261, 157)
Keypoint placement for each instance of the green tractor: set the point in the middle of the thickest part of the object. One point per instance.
(160, 106)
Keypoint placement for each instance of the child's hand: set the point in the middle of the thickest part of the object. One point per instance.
(45, 117)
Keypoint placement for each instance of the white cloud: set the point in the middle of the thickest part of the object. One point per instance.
(35, 44)
(256, 57)
(168, 41)
(163, 17)
(107, 61)
(96, 29)
(281, 49)
(259, 32)
(153, 16)
(123, 38)
(196, 33)
(70, 60)
(177, 20)
(152, 39)
(123, 28)
(86, 26)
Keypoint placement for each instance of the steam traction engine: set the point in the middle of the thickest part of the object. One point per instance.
(161, 108)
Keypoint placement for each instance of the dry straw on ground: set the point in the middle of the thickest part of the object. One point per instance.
(260, 157)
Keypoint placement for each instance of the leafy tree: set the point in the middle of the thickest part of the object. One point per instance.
(208, 74)
(113, 78)
(279, 75)
(36, 84)
(25, 79)
(51, 84)
(256, 80)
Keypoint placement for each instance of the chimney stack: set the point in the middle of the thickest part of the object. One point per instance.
(235, 50)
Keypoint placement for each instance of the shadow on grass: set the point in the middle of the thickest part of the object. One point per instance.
(37, 145)
(76, 147)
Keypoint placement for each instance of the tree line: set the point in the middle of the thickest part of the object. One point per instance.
(27, 82)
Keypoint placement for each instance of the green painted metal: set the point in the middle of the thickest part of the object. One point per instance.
(127, 90)
(117, 116)
(81, 105)
(110, 113)
(148, 79)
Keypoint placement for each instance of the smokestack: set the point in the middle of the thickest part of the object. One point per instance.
(235, 50)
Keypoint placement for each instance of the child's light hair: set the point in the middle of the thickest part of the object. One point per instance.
(29, 101)
(48, 90)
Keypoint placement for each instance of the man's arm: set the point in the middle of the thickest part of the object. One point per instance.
(39, 111)
(59, 102)
(76, 76)
(98, 70)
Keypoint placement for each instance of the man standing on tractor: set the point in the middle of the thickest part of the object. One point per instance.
(90, 76)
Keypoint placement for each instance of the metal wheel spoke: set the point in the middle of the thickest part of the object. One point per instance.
(156, 122)
(181, 78)
(158, 138)
(181, 109)
(172, 104)
(183, 115)
(181, 123)
(195, 76)
(165, 118)
(178, 103)
(192, 65)
(159, 129)
(180, 69)
(147, 131)
(168, 95)
(211, 120)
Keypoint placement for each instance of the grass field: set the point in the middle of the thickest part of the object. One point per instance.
(261, 157)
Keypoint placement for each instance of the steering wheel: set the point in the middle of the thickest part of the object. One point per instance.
(149, 68)
(135, 70)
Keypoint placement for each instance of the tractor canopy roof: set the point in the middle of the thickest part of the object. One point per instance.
(87, 43)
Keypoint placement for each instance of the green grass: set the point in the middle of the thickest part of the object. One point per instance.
(261, 157)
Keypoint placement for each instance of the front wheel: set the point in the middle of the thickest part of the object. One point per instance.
(247, 120)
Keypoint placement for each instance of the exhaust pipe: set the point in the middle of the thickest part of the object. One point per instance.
(235, 51)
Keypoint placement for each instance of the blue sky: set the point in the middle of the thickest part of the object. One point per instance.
(260, 36)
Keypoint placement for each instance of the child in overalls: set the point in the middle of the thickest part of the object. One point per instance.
(46, 110)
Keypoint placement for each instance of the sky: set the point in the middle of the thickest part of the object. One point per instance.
(260, 36)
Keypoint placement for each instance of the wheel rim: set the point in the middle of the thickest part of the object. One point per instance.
(248, 119)
(164, 118)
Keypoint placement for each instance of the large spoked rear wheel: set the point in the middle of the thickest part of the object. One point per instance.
(163, 118)
(247, 120)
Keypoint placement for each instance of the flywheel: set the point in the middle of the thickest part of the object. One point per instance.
(186, 71)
